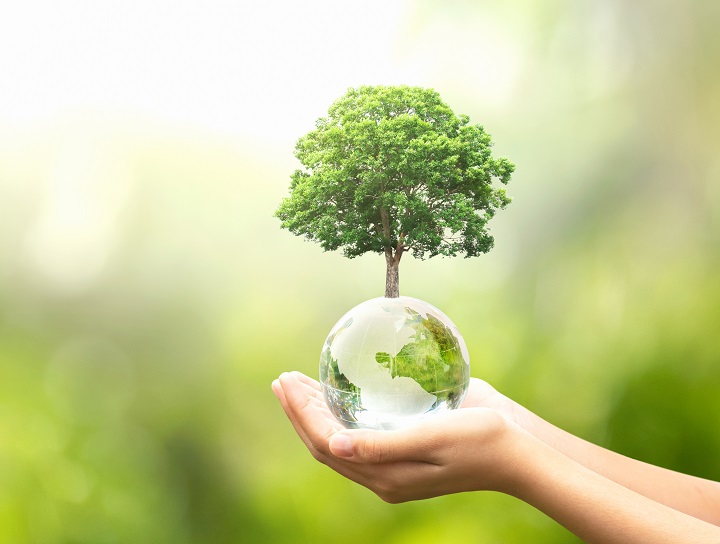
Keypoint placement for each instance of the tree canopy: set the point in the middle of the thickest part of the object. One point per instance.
(393, 169)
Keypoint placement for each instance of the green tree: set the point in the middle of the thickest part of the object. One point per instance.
(391, 170)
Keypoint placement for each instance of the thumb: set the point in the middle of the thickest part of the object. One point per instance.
(368, 446)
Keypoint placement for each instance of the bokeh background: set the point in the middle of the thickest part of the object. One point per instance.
(148, 297)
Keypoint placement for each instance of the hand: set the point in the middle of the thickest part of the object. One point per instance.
(461, 450)
(477, 448)
(483, 395)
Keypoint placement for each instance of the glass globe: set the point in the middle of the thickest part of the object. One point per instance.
(390, 361)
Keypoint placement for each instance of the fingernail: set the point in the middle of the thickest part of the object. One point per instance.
(341, 445)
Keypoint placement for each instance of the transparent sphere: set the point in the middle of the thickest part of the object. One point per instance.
(390, 361)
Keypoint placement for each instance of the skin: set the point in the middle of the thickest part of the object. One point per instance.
(495, 444)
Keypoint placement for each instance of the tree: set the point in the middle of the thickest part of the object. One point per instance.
(392, 169)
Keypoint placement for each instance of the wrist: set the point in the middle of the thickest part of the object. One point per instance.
(517, 462)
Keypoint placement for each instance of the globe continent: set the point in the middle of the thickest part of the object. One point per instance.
(390, 361)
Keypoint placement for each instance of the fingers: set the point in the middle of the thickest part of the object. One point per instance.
(307, 410)
(434, 440)
(417, 443)
(314, 384)
(280, 394)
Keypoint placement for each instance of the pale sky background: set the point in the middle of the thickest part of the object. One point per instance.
(266, 69)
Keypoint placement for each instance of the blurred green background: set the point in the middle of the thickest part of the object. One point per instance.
(148, 297)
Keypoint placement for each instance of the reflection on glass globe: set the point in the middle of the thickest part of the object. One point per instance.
(390, 361)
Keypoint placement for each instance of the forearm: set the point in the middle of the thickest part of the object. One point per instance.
(597, 509)
(694, 496)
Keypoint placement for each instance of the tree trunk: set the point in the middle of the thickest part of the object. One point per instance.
(392, 276)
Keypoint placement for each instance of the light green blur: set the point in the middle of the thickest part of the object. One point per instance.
(148, 297)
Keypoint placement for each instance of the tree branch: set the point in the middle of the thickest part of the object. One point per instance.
(399, 248)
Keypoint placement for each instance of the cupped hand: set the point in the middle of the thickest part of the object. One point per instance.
(460, 450)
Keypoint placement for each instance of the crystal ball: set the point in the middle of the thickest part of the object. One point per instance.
(391, 361)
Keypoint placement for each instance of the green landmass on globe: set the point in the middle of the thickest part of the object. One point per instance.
(432, 358)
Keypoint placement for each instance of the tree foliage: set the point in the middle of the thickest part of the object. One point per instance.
(392, 169)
